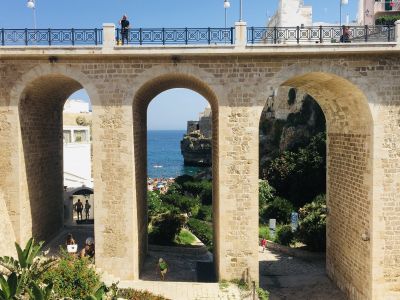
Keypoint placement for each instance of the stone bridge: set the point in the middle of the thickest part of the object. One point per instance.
(357, 86)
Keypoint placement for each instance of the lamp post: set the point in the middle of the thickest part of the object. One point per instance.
(241, 11)
(342, 2)
(227, 4)
(32, 4)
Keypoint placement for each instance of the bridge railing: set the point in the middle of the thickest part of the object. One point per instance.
(320, 34)
(50, 37)
(176, 36)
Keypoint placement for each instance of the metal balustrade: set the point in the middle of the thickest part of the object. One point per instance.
(50, 37)
(320, 34)
(197, 36)
(177, 36)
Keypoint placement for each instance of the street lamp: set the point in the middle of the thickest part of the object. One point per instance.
(241, 11)
(342, 2)
(227, 4)
(32, 4)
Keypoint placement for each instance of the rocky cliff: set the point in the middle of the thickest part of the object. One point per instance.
(196, 149)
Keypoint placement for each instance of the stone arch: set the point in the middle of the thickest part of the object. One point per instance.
(38, 98)
(143, 96)
(350, 129)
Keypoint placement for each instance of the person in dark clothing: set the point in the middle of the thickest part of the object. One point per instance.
(124, 29)
(78, 208)
(345, 37)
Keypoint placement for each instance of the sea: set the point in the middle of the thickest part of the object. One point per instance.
(164, 158)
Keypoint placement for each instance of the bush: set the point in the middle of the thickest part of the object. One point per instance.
(387, 20)
(284, 235)
(185, 204)
(72, 277)
(205, 213)
(203, 189)
(312, 224)
(279, 209)
(300, 176)
(265, 193)
(165, 227)
(183, 178)
(263, 232)
(155, 205)
(202, 230)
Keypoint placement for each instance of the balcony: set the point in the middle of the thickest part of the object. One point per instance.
(384, 7)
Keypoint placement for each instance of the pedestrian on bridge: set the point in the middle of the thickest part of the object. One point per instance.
(124, 29)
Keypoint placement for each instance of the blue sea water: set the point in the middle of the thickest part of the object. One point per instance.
(164, 158)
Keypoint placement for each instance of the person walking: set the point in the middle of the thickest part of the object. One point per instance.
(79, 209)
(162, 267)
(263, 244)
(87, 210)
(124, 29)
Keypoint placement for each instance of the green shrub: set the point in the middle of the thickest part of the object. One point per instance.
(263, 232)
(262, 294)
(205, 213)
(72, 277)
(279, 209)
(203, 231)
(131, 294)
(155, 205)
(312, 224)
(284, 235)
(387, 20)
(265, 193)
(183, 178)
(203, 189)
(300, 176)
(165, 227)
(185, 204)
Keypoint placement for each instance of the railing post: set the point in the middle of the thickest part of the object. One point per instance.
(209, 35)
(320, 34)
(73, 36)
(2, 37)
(298, 34)
(49, 33)
(186, 36)
(275, 35)
(232, 35)
(95, 37)
(163, 36)
(397, 32)
(26, 36)
(240, 34)
(366, 33)
(108, 36)
(140, 36)
(252, 34)
(388, 30)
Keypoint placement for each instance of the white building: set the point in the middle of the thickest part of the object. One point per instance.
(370, 10)
(76, 106)
(77, 156)
(291, 13)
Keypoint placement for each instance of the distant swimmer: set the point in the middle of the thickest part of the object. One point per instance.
(157, 166)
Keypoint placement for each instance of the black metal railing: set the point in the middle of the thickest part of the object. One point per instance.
(320, 34)
(176, 36)
(49, 37)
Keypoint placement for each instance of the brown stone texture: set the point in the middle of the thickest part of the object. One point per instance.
(359, 95)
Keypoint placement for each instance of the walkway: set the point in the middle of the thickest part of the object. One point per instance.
(285, 277)
(288, 278)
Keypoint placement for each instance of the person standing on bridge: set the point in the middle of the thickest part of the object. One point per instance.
(124, 29)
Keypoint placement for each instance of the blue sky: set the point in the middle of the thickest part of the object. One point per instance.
(169, 110)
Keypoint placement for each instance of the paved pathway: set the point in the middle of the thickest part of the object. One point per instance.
(285, 277)
(288, 278)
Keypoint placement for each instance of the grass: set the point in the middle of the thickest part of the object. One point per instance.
(185, 237)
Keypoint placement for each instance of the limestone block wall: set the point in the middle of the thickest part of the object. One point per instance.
(358, 94)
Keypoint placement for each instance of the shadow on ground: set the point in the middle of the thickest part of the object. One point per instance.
(292, 278)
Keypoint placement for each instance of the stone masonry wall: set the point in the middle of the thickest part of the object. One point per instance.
(238, 88)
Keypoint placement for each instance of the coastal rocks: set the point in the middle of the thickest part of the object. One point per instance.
(196, 149)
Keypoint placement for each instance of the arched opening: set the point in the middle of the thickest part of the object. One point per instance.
(43, 142)
(348, 208)
(142, 99)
